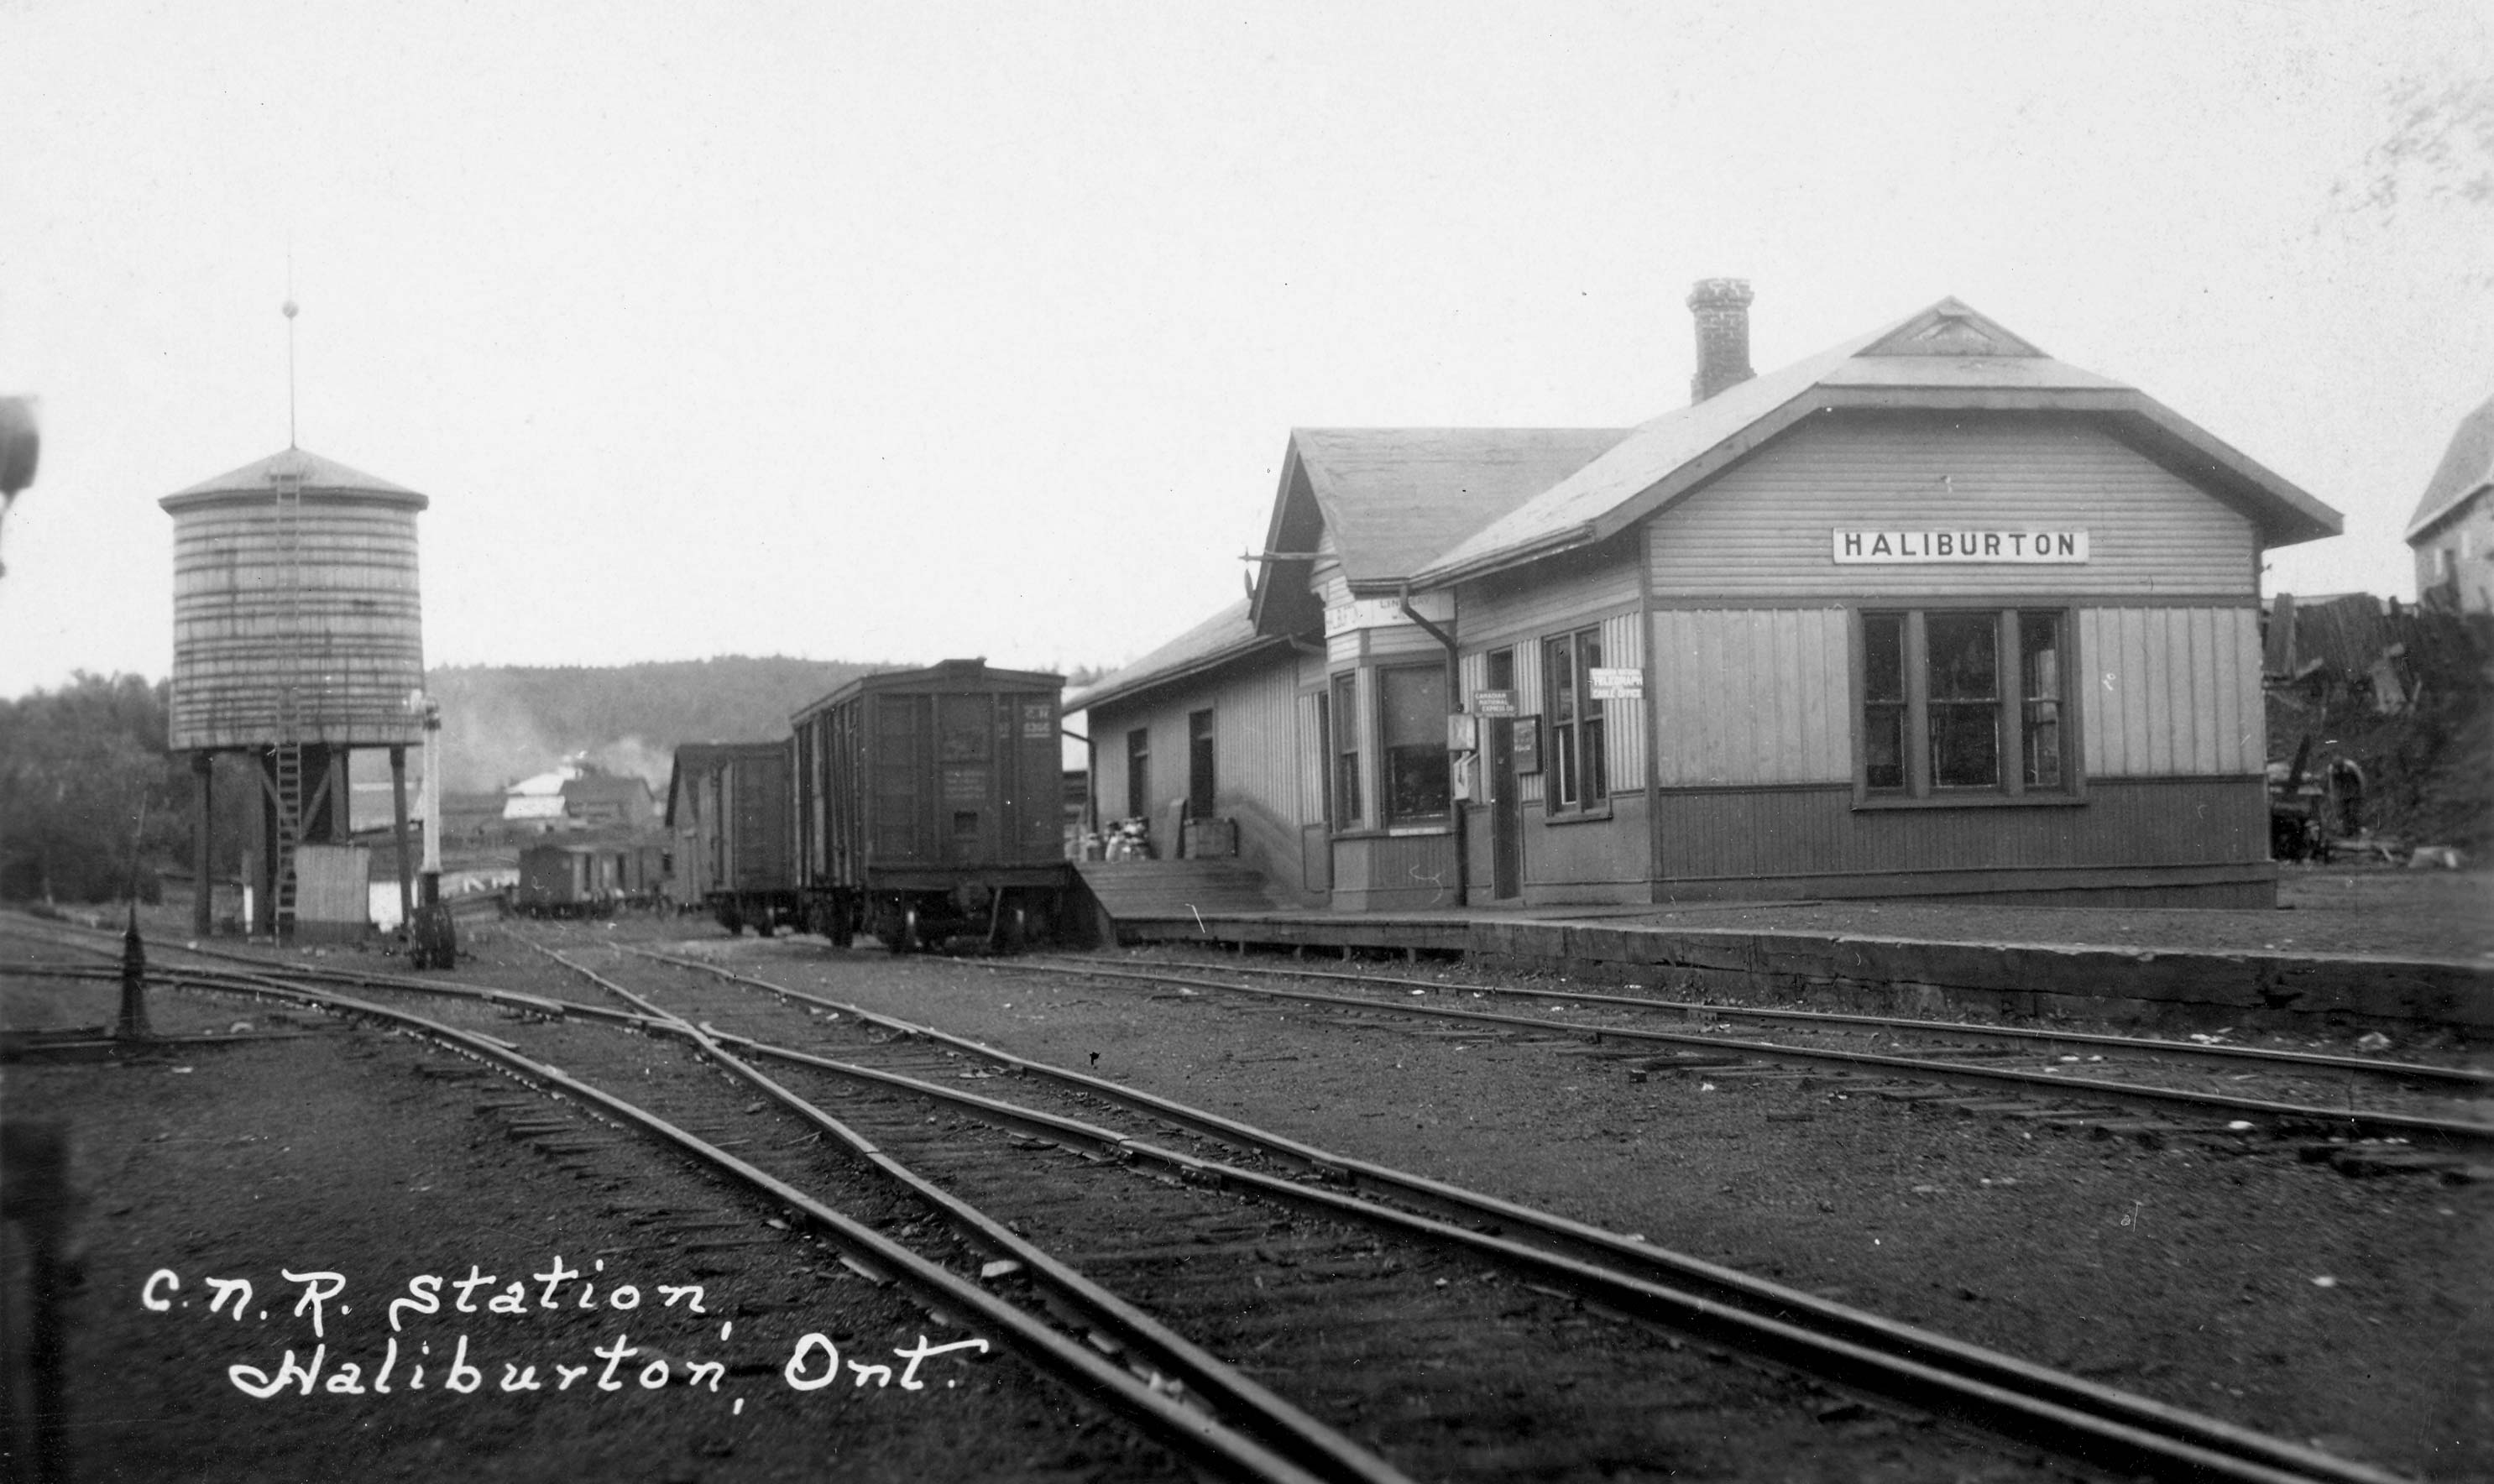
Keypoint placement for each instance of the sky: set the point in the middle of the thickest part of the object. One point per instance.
(905, 332)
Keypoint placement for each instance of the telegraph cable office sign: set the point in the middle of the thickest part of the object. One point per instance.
(1893, 547)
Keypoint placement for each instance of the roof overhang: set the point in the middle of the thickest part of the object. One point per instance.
(1113, 692)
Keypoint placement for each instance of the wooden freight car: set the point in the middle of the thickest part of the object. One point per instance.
(929, 805)
(587, 878)
(727, 814)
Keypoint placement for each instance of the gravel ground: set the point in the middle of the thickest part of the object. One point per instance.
(2227, 1277)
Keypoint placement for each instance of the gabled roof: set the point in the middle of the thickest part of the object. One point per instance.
(1392, 498)
(1948, 357)
(2467, 466)
(1226, 636)
(320, 476)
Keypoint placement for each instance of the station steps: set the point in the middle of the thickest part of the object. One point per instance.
(1128, 890)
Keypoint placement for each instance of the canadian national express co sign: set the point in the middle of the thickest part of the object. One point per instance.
(1854, 547)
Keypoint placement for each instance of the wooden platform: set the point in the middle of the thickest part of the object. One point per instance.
(1175, 891)
(2157, 988)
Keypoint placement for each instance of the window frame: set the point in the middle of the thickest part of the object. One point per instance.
(1139, 772)
(1576, 761)
(1342, 751)
(1434, 742)
(2013, 710)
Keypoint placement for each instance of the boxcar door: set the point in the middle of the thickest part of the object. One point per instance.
(965, 759)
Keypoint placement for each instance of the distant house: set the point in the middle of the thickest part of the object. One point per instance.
(2453, 532)
(604, 801)
(573, 797)
(1928, 613)
(536, 802)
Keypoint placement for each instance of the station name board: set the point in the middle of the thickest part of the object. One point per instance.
(2026, 545)
(1386, 612)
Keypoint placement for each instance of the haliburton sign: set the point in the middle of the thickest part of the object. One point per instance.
(1854, 547)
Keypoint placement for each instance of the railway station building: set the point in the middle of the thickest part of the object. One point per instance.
(1930, 614)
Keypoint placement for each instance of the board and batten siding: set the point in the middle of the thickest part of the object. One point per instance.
(1763, 696)
(2172, 692)
(1312, 757)
(1571, 593)
(1623, 721)
(1752, 696)
(1762, 530)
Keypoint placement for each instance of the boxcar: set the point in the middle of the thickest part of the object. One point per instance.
(727, 814)
(587, 878)
(929, 805)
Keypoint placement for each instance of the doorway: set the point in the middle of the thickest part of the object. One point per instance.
(1505, 810)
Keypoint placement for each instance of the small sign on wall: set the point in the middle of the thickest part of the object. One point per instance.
(1615, 683)
(2027, 545)
(1528, 744)
(1493, 703)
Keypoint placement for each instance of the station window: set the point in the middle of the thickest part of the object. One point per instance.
(1343, 744)
(1412, 728)
(1957, 702)
(1577, 771)
(1139, 772)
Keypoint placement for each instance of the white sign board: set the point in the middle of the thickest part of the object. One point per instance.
(1493, 703)
(1616, 685)
(2027, 545)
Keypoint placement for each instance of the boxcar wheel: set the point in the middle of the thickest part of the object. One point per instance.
(840, 930)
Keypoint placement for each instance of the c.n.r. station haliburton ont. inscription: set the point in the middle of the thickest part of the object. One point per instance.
(813, 1363)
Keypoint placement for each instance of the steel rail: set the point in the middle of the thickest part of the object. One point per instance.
(2142, 1429)
(1189, 1433)
(1682, 1292)
(2406, 1126)
(1245, 1403)
(2404, 1072)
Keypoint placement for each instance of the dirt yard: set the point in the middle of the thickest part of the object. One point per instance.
(2222, 1275)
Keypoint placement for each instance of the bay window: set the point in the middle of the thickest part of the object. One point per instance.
(1412, 730)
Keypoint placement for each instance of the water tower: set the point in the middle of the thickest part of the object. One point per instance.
(297, 637)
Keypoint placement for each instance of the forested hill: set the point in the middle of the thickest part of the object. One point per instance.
(503, 722)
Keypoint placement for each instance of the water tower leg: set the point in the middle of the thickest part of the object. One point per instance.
(398, 810)
(204, 885)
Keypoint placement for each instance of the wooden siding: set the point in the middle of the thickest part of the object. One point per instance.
(349, 639)
(1402, 641)
(1762, 530)
(1751, 696)
(1589, 859)
(1767, 834)
(1312, 757)
(1255, 770)
(1382, 872)
(2171, 691)
(1528, 707)
(1623, 721)
(1257, 715)
(1550, 598)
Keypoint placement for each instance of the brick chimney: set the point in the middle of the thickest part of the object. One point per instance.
(1722, 306)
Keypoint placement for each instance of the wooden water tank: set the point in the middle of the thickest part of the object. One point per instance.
(295, 574)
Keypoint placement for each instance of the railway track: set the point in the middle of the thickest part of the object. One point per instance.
(2102, 1080)
(1202, 1173)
